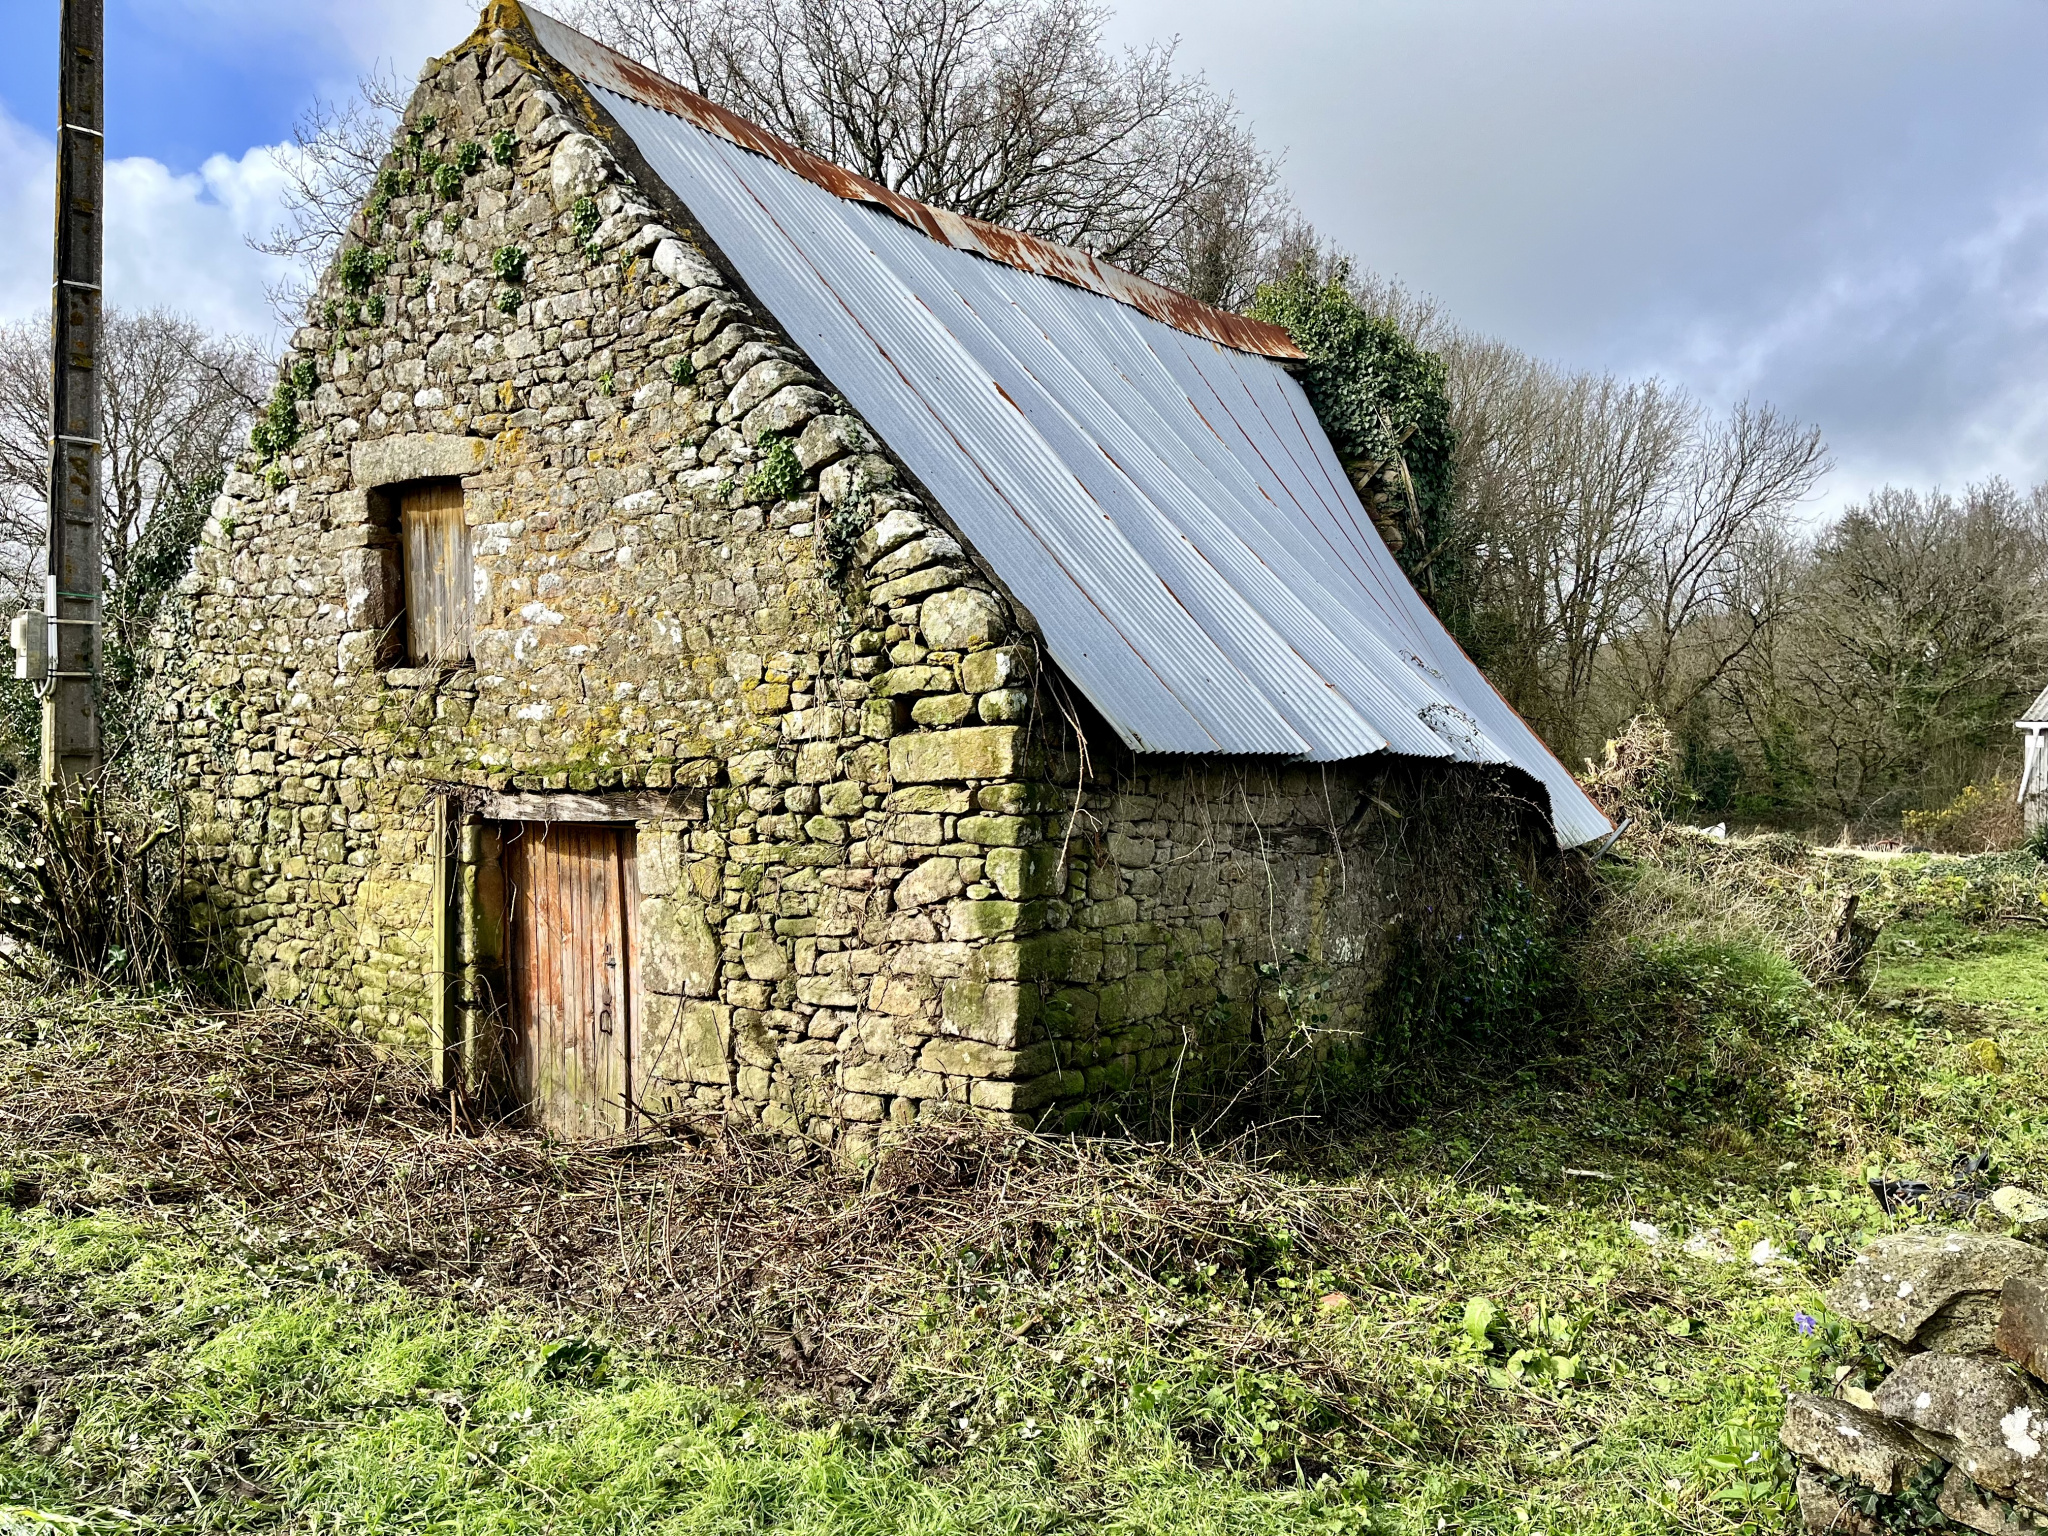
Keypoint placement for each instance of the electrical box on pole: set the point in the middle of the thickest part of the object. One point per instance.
(71, 591)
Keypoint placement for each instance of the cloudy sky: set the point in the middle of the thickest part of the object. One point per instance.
(1840, 206)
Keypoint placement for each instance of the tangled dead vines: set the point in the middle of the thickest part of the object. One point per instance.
(89, 882)
(760, 1262)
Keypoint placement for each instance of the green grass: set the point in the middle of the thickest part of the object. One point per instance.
(1560, 1297)
(2001, 969)
(250, 1391)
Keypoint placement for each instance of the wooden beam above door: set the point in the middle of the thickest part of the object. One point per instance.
(623, 806)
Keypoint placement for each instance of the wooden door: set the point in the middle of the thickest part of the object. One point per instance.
(436, 550)
(572, 897)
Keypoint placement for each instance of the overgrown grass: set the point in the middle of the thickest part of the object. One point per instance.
(1561, 1298)
(1942, 960)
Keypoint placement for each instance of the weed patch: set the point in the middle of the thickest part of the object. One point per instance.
(254, 1276)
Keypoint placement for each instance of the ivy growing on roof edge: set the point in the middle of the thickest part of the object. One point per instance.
(1384, 401)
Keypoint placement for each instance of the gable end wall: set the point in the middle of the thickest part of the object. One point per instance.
(890, 883)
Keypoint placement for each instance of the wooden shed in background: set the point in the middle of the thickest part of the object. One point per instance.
(2034, 769)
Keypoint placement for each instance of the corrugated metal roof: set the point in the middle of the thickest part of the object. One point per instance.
(1166, 506)
(2037, 712)
(598, 66)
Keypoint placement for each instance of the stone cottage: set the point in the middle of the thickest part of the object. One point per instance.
(700, 634)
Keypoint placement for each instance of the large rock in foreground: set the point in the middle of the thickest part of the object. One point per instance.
(1979, 1413)
(1852, 1443)
(1935, 1288)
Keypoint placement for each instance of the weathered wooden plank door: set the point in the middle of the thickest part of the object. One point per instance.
(436, 550)
(572, 901)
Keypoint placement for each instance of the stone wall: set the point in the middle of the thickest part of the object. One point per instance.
(887, 881)
(1955, 1425)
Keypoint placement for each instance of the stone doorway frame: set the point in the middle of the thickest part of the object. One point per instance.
(470, 999)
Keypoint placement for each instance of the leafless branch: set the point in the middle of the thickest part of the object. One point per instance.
(175, 406)
(1014, 111)
(329, 167)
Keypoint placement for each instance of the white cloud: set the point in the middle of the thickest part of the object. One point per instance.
(1840, 207)
(182, 241)
(179, 241)
(1924, 363)
(26, 197)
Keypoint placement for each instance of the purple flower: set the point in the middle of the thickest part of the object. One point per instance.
(1804, 1322)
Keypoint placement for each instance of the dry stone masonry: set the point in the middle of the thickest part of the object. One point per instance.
(1958, 1427)
(887, 866)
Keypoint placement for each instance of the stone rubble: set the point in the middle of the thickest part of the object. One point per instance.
(1934, 1287)
(1964, 1317)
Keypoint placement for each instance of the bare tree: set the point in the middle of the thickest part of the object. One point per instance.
(330, 168)
(1706, 601)
(1013, 111)
(1565, 483)
(176, 406)
(1920, 624)
(1627, 546)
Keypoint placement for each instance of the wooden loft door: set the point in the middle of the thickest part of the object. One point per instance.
(435, 539)
(572, 897)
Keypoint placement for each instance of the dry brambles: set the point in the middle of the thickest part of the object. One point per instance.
(736, 1254)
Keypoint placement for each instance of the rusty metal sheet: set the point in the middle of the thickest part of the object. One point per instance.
(1072, 565)
(596, 65)
(1162, 502)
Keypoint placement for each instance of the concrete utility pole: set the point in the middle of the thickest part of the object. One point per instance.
(71, 597)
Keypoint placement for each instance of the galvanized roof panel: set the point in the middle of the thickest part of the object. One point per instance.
(598, 66)
(2037, 712)
(1165, 506)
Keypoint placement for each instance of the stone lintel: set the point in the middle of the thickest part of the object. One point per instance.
(416, 456)
(626, 805)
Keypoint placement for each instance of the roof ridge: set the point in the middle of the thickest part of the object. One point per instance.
(598, 65)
